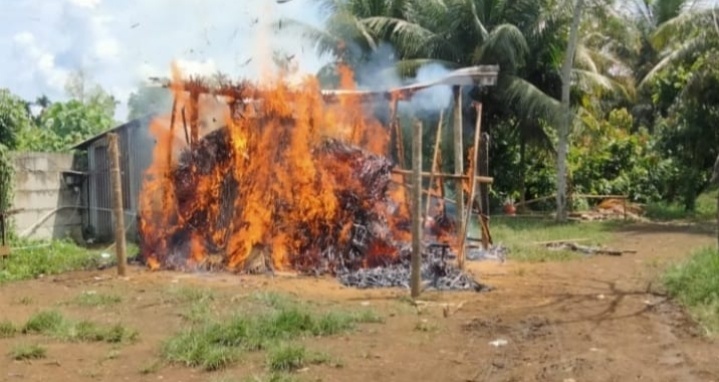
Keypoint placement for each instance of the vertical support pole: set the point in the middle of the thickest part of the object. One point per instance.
(416, 208)
(194, 118)
(458, 153)
(483, 169)
(472, 188)
(116, 181)
(435, 160)
(397, 128)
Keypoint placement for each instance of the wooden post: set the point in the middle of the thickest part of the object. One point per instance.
(483, 167)
(472, 188)
(116, 182)
(397, 129)
(458, 153)
(416, 208)
(435, 157)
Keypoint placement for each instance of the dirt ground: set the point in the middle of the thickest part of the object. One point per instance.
(596, 319)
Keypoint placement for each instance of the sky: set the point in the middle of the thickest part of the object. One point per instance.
(120, 43)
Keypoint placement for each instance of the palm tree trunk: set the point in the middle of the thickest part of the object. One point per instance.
(566, 121)
(523, 170)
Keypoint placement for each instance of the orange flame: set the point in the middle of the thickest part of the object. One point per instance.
(284, 191)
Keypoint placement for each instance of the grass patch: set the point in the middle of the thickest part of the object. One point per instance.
(289, 357)
(186, 294)
(273, 377)
(151, 367)
(214, 345)
(31, 259)
(520, 236)
(45, 322)
(28, 352)
(52, 323)
(705, 210)
(7, 329)
(93, 299)
(696, 285)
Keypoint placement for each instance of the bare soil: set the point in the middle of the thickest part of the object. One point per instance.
(601, 318)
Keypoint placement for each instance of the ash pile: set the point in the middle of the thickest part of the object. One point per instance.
(365, 244)
(437, 273)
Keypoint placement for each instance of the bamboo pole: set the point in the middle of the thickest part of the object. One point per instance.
(458, 153)
(394, 122)
(416, 209)
(435, 157)
(472, 188)
(116, 181)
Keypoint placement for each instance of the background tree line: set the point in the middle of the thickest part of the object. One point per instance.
(643, 95)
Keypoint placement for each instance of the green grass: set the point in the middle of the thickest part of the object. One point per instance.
(520, 236)
(213, 345)
(7, 329)
(93, 299)
(187, 294)
(52, 323)
(28, 352)
(695, 283)
(290, 357)
(33, 259)
(705, 210)
(272, 377)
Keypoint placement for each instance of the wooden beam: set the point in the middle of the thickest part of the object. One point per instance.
(116, 181)
(424, 174)
(416, 209)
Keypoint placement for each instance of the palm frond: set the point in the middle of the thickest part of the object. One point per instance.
(682, 25)
(323, 41)
(531, 100)
(505, 45)
(586, 80)
(687, 49)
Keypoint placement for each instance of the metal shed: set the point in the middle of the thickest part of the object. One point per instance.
(135, 157)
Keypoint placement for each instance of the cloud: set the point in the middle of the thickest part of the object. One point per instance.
(85, 3)
(41, 62)
(120, 43)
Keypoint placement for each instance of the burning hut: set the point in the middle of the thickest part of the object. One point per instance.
(297, 178)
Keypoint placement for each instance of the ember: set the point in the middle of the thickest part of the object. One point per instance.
(294, 184)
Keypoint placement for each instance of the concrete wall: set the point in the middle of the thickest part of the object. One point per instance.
(40, 192)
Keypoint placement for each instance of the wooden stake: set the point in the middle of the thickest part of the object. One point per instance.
(435, 157)
(116, 181)
(416, 209)
(398, 134)
(472, 188)
(458, 153)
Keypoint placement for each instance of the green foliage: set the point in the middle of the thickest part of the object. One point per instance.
(14, 117)
(64, 124)
(695, 284)
(610, 159)
(33, 259)
(28, 352)
(44, 322)
(706, 209)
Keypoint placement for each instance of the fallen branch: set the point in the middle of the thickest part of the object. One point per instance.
(587, 250)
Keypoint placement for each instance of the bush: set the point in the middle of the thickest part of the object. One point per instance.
(36, 258)
(696, 285)
(27, 352)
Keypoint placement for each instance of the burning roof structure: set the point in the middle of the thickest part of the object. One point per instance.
(301, 183)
